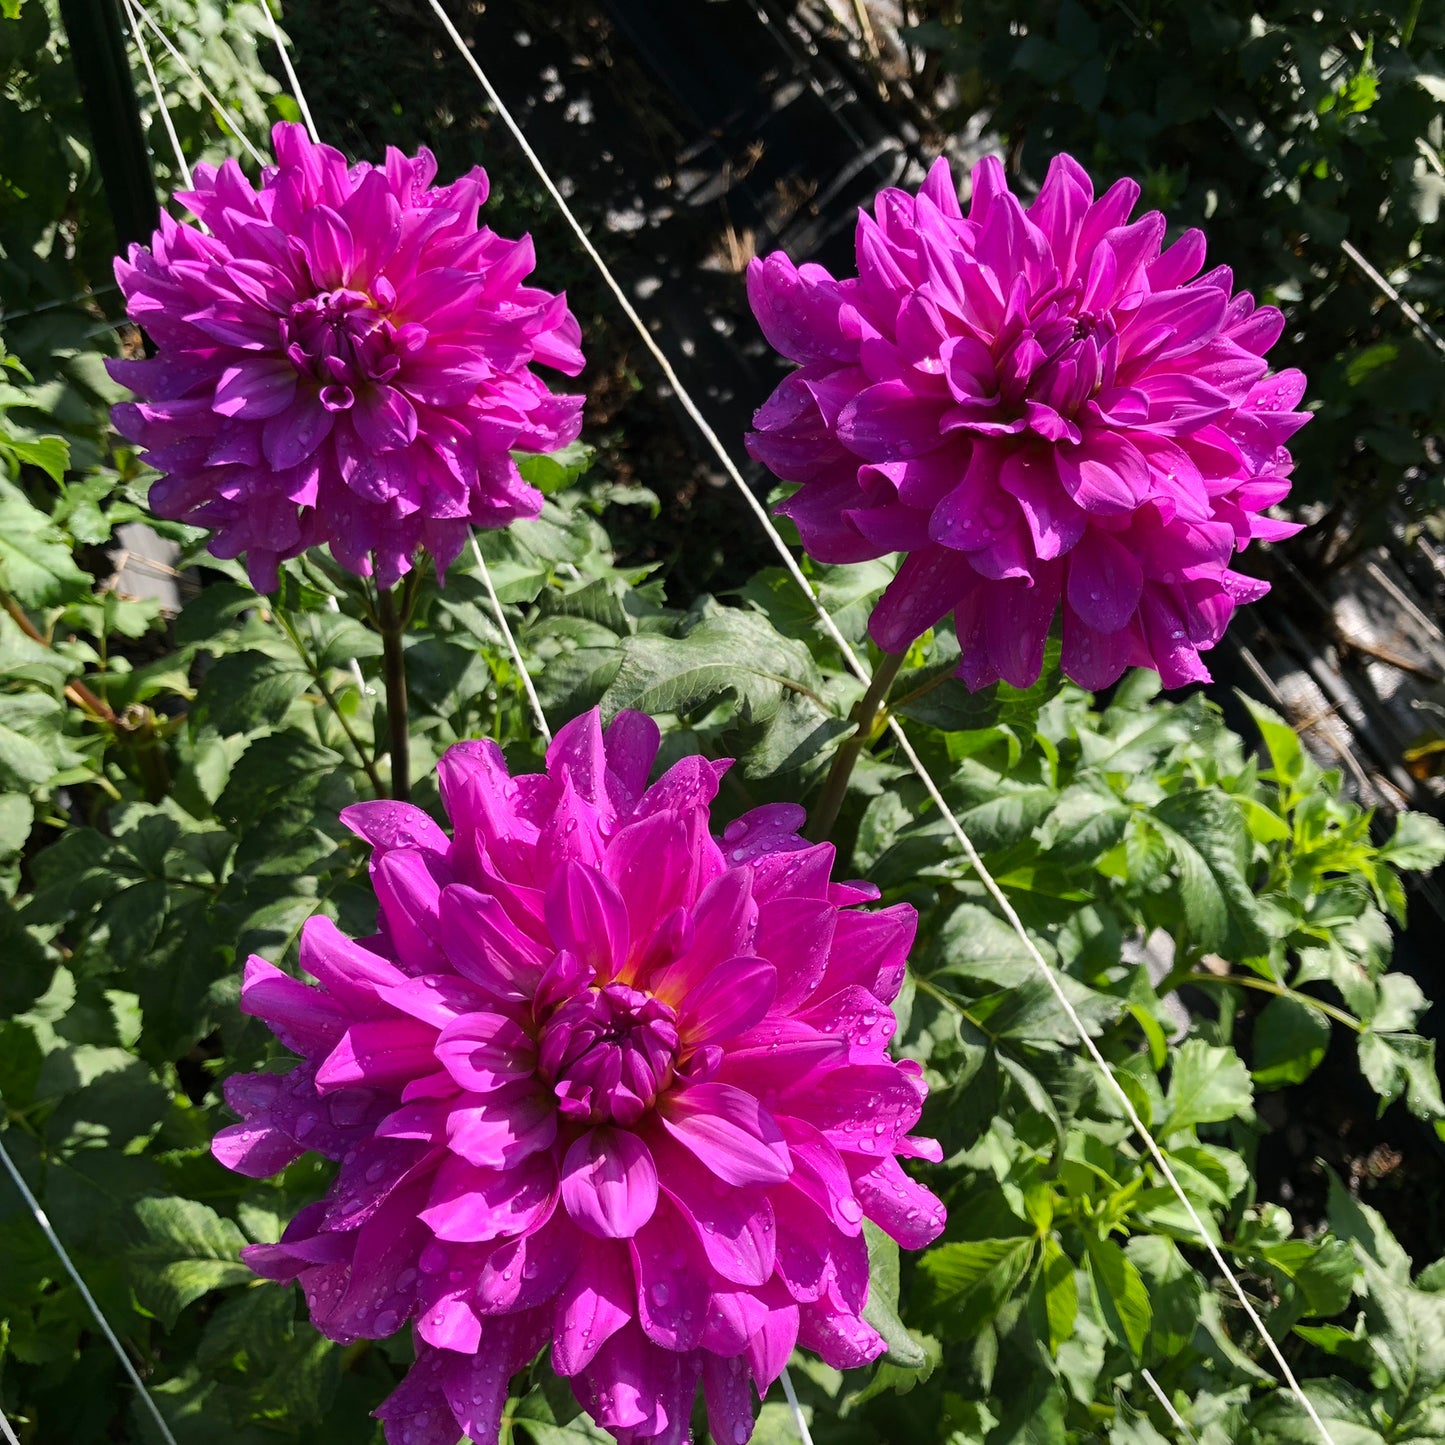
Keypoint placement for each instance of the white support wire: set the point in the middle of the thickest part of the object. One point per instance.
(1175, 1418)
(281, 48)
(1410, 313)
(799, 1423)
(831, 628)
(6, 1431)
(43, 1220)
(226, 116)
(532, 698)
(159, 94)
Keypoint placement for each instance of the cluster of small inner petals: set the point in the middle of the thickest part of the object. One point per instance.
(1042, 409)
(601, 1081)
(344, 357)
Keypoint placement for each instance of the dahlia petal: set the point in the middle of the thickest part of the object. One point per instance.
(630, 745)
(434, 998)
(861, 1108)
(672, 1289)
(1105, 581)
(588, 916)
(387, 825)
(729, 1131)
(417, 1412)
(500, 1129)
(475, 1383)
(798, 933)
(483, 1051)
(609, 1183)
(381, 1292)
(254, 391)
(408, 891)
(736, 1230)
(1096, 660)
(485, 946)
(472, 1205)
(902, 1208)
(633, 1385)
(257, 1153)
(819, 1173)
(1016, 624)
(1055, 522)
(596, 1302)
(928, 586)
(729, 1001)
(798, 310)
(648, 863)
(770, 1349)
(451, 1323)
(841, 1338)
(380, 1054)
(890, 422)
(303, 1018)
(725, 920)
(870, 950)
(727, 1388)
(1104, 474)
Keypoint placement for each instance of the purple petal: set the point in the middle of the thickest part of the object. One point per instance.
(729, 1131)
(609, 1183)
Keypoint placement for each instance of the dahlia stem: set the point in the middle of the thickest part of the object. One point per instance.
(393, 656)
(869, 716)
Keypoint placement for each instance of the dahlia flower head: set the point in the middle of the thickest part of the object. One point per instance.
(600, 1080)
(1040, 408)
(344, 357)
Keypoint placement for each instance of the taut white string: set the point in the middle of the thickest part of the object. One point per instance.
(43, 1220)
(1175, 1417)
(831, 628)
(517, 662)
(5, 1430)
(223, 114)
(279, 41)
(799, 1423)
(159, 94)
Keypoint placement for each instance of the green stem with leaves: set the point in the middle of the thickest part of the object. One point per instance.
(1264, 985)
(391, 613)
(870, 716)
(329, 697)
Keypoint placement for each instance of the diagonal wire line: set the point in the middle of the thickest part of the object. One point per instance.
(48, 1230)
(533, 700)
(159, 94)
(964, 842)
(1175, 1418)
(223, 113)
(6, 1431)
(279, 41)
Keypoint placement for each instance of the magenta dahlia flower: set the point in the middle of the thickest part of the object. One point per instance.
(344, 358)
(1040, 408)
(601, 1080)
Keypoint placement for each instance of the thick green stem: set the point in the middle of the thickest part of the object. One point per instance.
(868, 716)
(393, 625)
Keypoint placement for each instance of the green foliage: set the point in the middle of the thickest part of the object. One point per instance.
(1288, 132)
(1220, 917)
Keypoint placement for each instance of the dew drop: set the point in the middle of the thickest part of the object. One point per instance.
(660, 1293)
(850, 1209)
(386, 1322)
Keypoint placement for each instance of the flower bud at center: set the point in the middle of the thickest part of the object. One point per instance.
(609, 1053)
